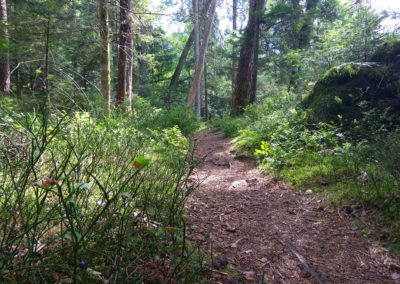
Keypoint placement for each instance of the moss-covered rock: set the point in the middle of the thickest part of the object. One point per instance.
(345, 94)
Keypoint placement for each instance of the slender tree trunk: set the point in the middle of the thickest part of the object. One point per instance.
(105, 55)
(245, 81)
(129, 55)
(234, 29)
(206, 114)
(197, 53)
(18, 81)
(179, 67)
(256, 43)
(203, 49)
(74, 10)
(5, 80)
(120, 97)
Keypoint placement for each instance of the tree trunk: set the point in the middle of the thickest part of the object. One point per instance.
(234, 29)
(105, 56)
(203, 49)
(253, 82)
(5, 80)
(129, 55)
(197, 54)
(245, 81)
(308, 25)
(206, 114)
(179, 67)
(123, 32)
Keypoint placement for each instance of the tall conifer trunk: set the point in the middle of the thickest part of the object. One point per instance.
(197, 54)
(246, 76)
(4, 59)
(122, 51)
(129, 56)
(104, 55)
(203, 49)
(234, 29)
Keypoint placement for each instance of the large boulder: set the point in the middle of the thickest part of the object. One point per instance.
(346, 95)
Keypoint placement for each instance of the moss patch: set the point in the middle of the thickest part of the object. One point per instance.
(347, 94)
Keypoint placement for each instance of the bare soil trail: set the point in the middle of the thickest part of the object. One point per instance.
(256, 223)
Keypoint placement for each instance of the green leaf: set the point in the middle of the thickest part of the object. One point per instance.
(84, 185)
(68, 235)
(140, 162)
(38, 71)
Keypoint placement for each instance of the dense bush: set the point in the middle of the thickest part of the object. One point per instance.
(84, 199)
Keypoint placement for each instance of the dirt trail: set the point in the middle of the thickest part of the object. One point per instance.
(257, 223)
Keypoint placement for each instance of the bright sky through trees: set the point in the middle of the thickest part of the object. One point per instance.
(224, 14)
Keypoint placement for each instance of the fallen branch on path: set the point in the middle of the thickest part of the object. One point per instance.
(297, 252)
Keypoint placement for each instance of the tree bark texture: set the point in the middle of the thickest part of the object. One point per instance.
(105, 55)
(122, 51)
(206, 113)
(203, 49)
(129, 56)
(197, 54)
(245, 81)
(4, 58)
(234, 29)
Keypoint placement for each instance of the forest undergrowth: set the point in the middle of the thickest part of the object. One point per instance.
(87, 198)
(355, 169)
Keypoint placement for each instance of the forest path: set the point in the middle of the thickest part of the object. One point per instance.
(257, 223)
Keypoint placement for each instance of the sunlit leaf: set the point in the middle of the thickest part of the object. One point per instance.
(140, 162)
(84, 185)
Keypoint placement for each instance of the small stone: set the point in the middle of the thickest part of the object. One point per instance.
(230, 229)
(395, 276)
(237, 184)
(308, 192)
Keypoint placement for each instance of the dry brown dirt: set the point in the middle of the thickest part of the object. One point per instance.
(260, 226)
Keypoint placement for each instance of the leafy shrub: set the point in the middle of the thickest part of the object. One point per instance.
(230, 126)
(89, 197)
